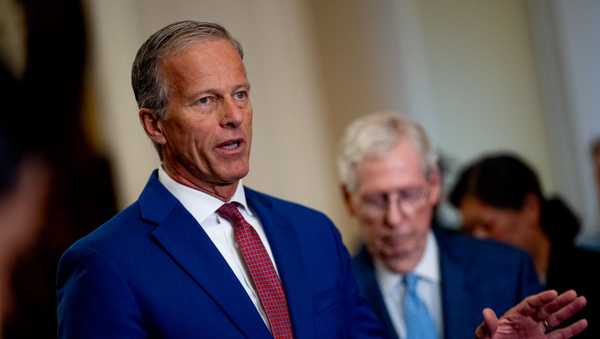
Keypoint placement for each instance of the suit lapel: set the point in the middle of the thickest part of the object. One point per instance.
(285, 247)
(183, 239)
(455, 290)
(365, 276)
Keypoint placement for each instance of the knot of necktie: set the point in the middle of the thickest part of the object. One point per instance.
(410, 280)
(230, 212)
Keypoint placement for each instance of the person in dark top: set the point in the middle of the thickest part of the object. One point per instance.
(23, 192)
(500, 197)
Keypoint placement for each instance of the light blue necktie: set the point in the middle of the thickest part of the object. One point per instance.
(419, 324)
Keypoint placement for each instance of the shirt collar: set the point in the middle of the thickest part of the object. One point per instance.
(200, 204)
(427, 268)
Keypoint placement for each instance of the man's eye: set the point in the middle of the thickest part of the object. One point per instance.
(410, 194)
(375, 200)
(241, 95)
(205, 100)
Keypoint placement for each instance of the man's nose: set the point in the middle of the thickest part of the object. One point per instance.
(232, 112)
(393, 213)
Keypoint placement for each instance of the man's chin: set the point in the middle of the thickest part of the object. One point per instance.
(232, 178)
(400, 263)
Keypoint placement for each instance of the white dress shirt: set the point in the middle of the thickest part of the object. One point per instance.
(428, 288)
(203, 207)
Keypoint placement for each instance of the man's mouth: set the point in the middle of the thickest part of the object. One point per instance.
(231, 145)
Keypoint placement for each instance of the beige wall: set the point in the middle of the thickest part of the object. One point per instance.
(464, 68)
(567, 50)
(483, 77)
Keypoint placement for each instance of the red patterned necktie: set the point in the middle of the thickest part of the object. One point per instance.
(262, 272)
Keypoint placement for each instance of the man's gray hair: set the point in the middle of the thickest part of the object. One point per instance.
(377, 134)
(149, 89)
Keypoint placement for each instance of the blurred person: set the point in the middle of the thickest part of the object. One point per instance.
(23, 193)
(391, 184)
(22, 203)
(500, 197)
(49, 122)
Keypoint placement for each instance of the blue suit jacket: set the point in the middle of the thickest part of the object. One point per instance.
(475, 274)
(152, 272)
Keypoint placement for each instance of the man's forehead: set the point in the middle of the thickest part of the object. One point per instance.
(404, 156)
(198, 44)
(207, 65)
(389, 172)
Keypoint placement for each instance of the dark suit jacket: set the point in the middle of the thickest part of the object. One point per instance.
(475, 274)
(572, 267)
(152, 272)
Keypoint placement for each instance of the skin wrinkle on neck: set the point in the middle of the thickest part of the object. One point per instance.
(223, 191)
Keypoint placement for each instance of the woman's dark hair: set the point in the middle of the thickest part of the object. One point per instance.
(504, 180)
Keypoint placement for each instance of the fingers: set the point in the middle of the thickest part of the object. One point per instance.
(562, 308)
(490, 319)
(560, 302)
(488, 326)
(532, 305)
(567, 311)
(569, 331)
(547, 307)
(481, 332)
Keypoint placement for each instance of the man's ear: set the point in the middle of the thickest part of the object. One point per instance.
(435, 184)
(532, 208)
(348, 200)
(152, 125)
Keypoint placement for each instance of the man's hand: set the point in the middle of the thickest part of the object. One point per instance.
(536, 317)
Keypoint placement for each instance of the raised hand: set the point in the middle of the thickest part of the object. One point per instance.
(536, 317)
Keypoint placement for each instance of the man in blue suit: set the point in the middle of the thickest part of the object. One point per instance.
(175, 264)
(198, 255)
(391, 183)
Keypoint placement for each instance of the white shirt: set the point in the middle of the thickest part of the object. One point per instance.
(428, 288)
(203, 207)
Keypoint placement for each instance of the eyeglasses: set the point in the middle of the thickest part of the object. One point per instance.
(408, 200)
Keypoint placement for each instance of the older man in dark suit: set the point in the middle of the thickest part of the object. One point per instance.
(423, 283)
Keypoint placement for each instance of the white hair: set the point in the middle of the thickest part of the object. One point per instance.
(376, 134)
